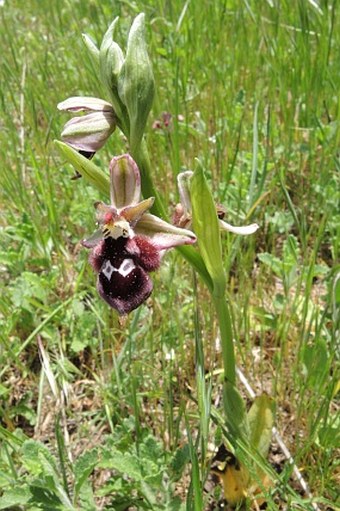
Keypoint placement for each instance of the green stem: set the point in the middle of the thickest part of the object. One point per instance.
(195, 259)
(141, 157)
(228, 353)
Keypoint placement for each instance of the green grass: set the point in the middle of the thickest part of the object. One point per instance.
(256, 85)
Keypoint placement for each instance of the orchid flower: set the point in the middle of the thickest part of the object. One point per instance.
(130, 241)
(88, 133)
(183, 211)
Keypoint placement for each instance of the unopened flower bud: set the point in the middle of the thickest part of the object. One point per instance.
(136, 83)
(111, 60)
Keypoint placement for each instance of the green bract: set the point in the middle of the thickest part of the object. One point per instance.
(93, 174)
(91, 46)
(205, 224)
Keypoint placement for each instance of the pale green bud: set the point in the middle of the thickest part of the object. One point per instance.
(136, 83)
(111, 60)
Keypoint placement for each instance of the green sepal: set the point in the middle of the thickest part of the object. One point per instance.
(136, 85)
(261, 417)
(86, 168)
(206, 228)
(236, 414)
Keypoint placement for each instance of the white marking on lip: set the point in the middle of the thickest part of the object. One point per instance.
(124, 269)
(108, 269)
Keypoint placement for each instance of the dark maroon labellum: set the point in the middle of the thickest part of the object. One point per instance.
(123, 265)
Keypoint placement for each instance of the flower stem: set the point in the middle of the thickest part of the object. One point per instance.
(228, 354)
(141, 157)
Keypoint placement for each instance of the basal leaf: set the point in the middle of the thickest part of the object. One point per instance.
(261, 421)
(35, 455)
(179, 462)
(125, 463)
(83, 468)
(14, 497)
(237, 420)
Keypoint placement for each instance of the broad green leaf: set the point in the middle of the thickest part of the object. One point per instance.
(125, 463)
(52, 479)
(151, 449)
(261, 422)
(236, 415)
(16, 438)
(83, 468)
(35, 455)
(4, 391)
(175, 504)
(206, 228)
(14, 497)
(274, 263)
(316, 363)
(86, 168)
(179, 461)
(45, 499)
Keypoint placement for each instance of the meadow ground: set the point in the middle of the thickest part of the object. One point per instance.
(99, 413)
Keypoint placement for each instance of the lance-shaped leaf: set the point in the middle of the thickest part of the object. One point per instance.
(235, 410)
(85, 167)
(261, 421)
(206, 227)
(136, 85)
